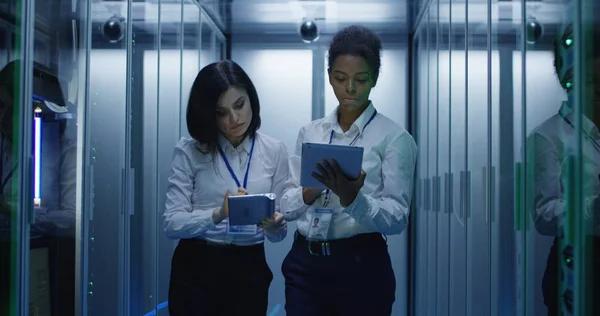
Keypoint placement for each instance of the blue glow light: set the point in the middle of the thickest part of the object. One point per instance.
(158, 307)
(37, 159)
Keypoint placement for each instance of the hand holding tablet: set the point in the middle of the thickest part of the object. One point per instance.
(333, 167)
(251, 209)
(274, 224)
(347, 158)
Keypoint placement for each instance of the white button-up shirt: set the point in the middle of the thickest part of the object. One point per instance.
(200, 180)
(549, 147)
(383, 203)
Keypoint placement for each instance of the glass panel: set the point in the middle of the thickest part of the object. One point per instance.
(540, 100)
(144, 220)
(444, 180)
(58, 62)
(208, 49)
(478, 130)
(456, 60)
(562, 163)
(221, 49)
(104, 236)
(431, 160)
(585, 225)
(11, 219)
(421, 230)
(501, 178)
(495, 263)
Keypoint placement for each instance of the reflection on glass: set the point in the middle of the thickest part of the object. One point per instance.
(9, 147)
(563, 169)
(52, 161)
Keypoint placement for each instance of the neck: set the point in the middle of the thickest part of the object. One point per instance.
(347, 117)
(235, 141)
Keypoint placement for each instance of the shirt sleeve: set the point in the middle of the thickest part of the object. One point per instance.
(388, 211)
(548, 206)
(280, 181)
(181, 220)
(292, 203)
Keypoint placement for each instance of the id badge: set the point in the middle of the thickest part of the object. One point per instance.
(242, 229)
(319, 224)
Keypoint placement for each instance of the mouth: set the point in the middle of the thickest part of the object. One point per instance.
(237, 126)
(349, 99)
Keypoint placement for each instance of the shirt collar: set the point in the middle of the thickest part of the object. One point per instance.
(566, 111)
(225, 144)
(331, 121)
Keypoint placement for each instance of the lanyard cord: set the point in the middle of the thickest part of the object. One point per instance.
(235, 178)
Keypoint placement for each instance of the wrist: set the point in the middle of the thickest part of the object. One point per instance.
(348, 198)
(217, 215)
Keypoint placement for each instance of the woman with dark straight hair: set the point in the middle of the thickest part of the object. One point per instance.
(218, 268)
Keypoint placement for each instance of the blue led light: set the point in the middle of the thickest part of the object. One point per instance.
(37, 157)
(158, 307)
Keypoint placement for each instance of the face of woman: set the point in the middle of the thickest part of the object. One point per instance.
(351, 80)
(234, 114)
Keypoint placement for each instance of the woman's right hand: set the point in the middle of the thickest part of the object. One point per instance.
(223, 212)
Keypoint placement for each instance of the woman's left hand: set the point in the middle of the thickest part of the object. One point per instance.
(273, 224)
(334, 178)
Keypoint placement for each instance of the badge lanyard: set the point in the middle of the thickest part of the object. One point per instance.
(586, 134)
(235, 178)
(326, 202)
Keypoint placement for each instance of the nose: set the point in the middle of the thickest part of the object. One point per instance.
(234, 117)
(351, 88)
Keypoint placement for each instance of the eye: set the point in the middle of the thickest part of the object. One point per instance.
(340, 79)
(239, 105)
(220, 113)
(362, 80)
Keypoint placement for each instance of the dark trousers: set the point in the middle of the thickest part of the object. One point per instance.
(552, 276)
(214, 280)
(354, 277)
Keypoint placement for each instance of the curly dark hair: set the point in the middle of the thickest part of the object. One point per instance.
(360, 41)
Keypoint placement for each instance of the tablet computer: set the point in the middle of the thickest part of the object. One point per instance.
(349, 158)
(250, 209)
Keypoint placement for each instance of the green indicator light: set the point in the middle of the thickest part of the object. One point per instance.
(568, 41)
(569, 84)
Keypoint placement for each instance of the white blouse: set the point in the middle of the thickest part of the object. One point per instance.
(199, 182)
